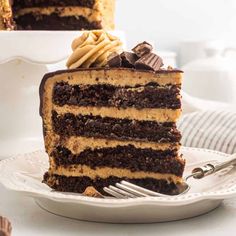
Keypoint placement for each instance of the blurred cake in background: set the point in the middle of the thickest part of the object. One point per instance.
(57, 14)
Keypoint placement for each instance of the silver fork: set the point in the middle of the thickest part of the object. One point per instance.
(125, 189)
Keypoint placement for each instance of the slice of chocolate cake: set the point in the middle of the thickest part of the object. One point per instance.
(62, 14)
(104, 125)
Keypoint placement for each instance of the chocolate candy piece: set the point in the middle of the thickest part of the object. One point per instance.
(142, 48)
(128, 59)
(149, 62)
(114, 60)
(5, 227)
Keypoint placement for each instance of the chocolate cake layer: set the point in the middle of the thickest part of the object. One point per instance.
(79, 184)
(123, 129)
(54, 22)
(127, 157)
(45, 3)
(149, 96)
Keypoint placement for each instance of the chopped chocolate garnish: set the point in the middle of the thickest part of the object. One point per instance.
(128, 59)
(5, 227)
(142, 48)
(114, 60)
(149, 62)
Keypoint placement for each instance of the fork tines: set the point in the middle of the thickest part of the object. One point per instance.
(125, 189)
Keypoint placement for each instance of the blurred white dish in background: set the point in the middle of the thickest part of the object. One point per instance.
(190, 51)
(169, 58)
(20, 126)
(212, 78)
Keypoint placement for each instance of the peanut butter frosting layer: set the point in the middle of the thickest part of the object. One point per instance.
(90, 14)
(79, 144)
(147, 114)
(106, 172)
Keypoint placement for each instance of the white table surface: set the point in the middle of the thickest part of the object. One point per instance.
(28, 219)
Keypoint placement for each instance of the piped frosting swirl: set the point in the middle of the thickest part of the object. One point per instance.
(92, 49)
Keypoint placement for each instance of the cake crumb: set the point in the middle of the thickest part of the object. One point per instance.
(92, 192)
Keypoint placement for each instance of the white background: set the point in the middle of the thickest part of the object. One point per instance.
(168, 22)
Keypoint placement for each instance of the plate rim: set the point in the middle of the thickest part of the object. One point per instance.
(109, 202)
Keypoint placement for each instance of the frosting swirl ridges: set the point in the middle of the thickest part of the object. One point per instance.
(92, 49)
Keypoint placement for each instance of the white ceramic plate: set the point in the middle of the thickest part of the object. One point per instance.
(23, 174)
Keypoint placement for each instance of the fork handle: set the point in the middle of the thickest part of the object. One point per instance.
(208, 169)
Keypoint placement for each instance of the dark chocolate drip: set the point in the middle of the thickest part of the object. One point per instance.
(54, 22)
(122, 129)
(127, 157)
(105, 95)
(79, 184)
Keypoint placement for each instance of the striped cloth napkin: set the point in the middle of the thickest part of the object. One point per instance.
(214, 130)
(208, 125)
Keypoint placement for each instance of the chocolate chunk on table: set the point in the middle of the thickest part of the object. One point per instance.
(142, 48)
(149, 61)
(5, 227)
